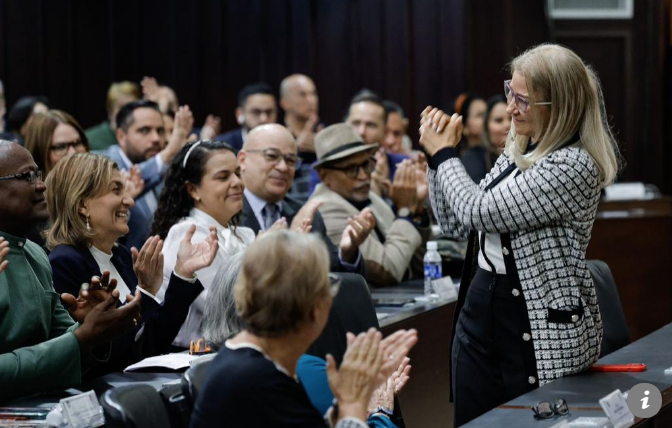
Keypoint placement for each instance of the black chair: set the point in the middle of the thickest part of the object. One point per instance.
(134, 406)
(616, 333)
(178, 404)
(192, 381)
(351, 311)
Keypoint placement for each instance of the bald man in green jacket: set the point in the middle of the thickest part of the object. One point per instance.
(41, 347)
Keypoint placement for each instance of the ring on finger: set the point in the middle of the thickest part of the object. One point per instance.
(135, 322)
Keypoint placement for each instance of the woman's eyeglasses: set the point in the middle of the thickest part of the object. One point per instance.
(522, 103)
(62, 148)
(548, 410)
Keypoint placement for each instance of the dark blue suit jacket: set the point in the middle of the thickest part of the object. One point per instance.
(73, 266)
(232, 138)
(289, 209)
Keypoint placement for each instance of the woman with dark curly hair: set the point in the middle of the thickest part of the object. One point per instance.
(202, 187)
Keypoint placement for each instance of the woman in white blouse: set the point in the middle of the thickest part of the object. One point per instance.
(202, 187)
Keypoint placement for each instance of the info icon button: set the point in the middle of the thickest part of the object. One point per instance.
(644, 400)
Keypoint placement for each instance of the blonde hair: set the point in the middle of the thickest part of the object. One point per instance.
(76, 178)
(556, 74)
(283, 276)
(118, 89)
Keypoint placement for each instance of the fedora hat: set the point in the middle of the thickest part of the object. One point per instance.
(337, 142)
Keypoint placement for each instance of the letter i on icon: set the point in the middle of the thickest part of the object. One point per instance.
(645, 401)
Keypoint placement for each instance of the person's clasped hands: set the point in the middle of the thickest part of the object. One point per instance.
(438, 130)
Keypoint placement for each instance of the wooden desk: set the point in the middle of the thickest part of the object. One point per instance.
(635, 239)
(425, 401)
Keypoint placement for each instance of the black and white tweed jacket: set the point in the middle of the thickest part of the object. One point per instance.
(548, 211)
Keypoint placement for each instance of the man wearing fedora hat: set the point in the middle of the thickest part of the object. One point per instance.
(345, 163)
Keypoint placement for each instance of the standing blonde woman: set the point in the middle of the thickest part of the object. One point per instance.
(527, 311)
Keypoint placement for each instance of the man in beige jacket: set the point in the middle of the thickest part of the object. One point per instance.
(345, 164)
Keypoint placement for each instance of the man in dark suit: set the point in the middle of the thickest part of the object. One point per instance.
(256, 106)
(268, 162)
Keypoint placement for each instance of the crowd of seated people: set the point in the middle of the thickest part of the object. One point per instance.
(142, 234)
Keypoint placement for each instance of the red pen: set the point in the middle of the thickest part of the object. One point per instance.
(632, 367)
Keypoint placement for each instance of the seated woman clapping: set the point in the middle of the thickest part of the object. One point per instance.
(89, 207)
(284, 307)
(202, 187)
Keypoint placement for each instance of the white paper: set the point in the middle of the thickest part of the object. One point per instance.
(445, 288)
(624, 191)
(617, 410)
(83, 410)
(169, 361)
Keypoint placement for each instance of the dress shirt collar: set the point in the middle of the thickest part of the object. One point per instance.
(257, 204)
(125, 158)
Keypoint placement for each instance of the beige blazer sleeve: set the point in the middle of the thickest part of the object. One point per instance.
(386, 262)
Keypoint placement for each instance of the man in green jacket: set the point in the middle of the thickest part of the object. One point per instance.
(41, 346)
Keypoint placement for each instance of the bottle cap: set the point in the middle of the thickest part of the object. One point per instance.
(432, 245)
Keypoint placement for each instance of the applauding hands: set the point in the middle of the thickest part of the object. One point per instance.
(438, 130)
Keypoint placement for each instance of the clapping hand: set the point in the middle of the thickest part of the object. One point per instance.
(148, 265)
(105, 321)
(193, 257)
(211, 127)
(438, 130)
(90, 295)
(403, 191)
(380, 177)
(184, 121)
(354, 382)
(384, 394)
(134, 182)
(305, 216)
(355, 233)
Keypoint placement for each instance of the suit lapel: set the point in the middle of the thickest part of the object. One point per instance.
(248, 219)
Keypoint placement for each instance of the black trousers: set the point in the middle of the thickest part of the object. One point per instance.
(488, 349)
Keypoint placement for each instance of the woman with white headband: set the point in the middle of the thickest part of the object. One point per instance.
(202, 187)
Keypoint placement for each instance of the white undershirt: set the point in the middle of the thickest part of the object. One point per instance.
(493, 241)
(104, 261)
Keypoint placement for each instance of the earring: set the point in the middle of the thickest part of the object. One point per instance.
(88, 225)
(198, 199)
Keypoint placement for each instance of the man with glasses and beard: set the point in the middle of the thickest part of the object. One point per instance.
(345, 163)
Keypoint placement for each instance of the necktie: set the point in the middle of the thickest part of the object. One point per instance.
(271, 214)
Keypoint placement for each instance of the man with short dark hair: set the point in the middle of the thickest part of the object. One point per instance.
(396, 126)
(141, 136)
(256, 106)
(268, 161)
(41, 346)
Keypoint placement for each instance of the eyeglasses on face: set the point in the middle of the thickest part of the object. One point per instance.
(274, 156)
(548, 410)
(368, 166)
(522, 103)
(29, 176)
(62, 148)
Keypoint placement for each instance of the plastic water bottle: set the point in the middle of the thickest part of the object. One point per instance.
(433, 269)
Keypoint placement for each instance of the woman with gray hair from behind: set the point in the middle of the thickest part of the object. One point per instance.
(291, 383)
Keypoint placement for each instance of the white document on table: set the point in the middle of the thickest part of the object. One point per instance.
(168, 361)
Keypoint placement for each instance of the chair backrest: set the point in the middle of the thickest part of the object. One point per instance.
(177, 403)
(193, 378)
(351, 311)
(616, 333)
(134, 406)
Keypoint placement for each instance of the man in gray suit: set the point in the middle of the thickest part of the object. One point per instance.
(142, 142)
